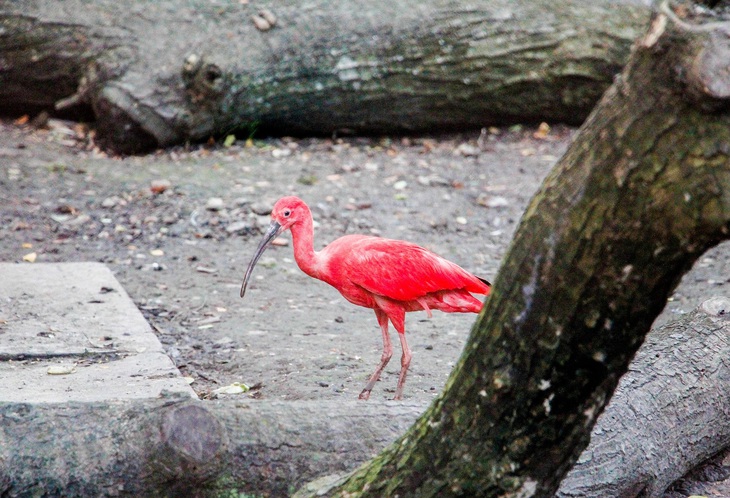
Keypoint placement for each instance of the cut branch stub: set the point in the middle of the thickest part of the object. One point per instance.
(709, 78)
(706, 77)
(193, 442)
(202, 79)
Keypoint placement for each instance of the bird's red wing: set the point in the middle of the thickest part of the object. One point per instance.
(401, 270)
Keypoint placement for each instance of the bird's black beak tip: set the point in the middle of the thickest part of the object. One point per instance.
(274, 230)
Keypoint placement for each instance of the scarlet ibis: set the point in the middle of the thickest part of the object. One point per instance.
(389, 276)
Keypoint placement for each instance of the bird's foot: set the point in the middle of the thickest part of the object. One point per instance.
(364, 395)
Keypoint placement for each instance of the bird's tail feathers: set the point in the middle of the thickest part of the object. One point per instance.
(485, 281)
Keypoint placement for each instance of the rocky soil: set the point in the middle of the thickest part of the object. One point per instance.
(178, 228)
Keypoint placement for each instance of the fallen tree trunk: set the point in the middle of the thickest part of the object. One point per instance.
(182, 447)
(162, 73)
(671, 411)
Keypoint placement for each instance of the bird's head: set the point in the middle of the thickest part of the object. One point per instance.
(287, 212)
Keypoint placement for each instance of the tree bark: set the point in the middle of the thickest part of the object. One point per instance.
(642, 192)
(670, 411)
(161, 73)
(176, 446)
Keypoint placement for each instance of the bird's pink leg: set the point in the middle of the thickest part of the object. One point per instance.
(384, 359)
(405, 362)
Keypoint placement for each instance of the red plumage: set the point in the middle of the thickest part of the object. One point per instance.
(390, 276)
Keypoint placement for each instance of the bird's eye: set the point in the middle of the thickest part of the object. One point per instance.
(286, 213)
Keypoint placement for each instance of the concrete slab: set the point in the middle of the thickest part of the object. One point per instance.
(76, 318)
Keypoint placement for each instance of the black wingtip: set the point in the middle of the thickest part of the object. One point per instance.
(485, 281)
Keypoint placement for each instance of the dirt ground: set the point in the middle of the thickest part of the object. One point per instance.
(178, 228)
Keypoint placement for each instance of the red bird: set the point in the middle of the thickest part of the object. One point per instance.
(389, 276)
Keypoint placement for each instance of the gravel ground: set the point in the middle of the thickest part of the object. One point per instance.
(178, 228)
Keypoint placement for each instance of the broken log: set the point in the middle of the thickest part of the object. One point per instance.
(155, 74)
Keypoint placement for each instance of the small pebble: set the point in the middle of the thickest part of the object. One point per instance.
(260, 23)
(159, 186)
(79, 220)
(109, 202)
(214, 204)
(239, 226)
(262, 209)
(278, 153)
(269, 16)
(467, 150)
(492, 201)
(204, 269)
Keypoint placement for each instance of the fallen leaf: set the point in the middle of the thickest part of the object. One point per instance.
(203, 269)
(230, 140)
(542, 131)
(61, 369)
(30, 257)
(234, 388)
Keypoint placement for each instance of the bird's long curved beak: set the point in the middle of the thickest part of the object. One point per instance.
(273, 231)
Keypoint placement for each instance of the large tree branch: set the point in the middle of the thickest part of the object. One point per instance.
(161, 73)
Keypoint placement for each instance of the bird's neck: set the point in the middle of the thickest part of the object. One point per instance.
(303, 240)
